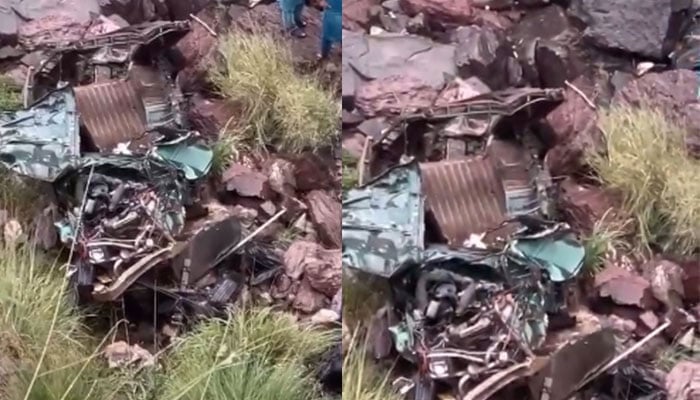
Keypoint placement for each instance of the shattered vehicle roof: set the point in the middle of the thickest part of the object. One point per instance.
(42, 141)
(383, 222)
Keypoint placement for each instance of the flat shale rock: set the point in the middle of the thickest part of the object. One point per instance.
(394, 95)
(325, 212)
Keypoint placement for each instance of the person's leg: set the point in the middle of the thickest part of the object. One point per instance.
(287, 8)
(298, 14)
(325, 47)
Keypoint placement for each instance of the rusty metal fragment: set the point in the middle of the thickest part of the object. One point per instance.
(478, 194)
(112, 112)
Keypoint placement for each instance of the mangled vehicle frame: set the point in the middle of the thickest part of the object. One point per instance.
(108, 133)
(476, 264)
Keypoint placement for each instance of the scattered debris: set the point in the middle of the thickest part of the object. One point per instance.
(121, 355)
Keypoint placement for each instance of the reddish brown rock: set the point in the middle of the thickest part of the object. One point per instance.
(691, 280)
(308, 300)
(312, 173)
(670, 92)
(575, 132)
(325, 212)
(683, 382)
(625, 288)
(680, 322)
(666, 279)
(674, 94)
(394, 94)
(210, 116)
(460, 90)
(356, 14)
(584, 205)
(320, 267)
(353, 142)
(650, 320)
(326, 275)
(246, 182)
(282, 179)
(296, 255)
(196, 49)
(445, 11)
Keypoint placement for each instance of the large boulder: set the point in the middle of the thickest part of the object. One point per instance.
(574, 131)
(585, 205)
(636, 27)
(196, 49)
(210, 116)
(325, 212)
(674, 93)
(484, 52)
(544, 43)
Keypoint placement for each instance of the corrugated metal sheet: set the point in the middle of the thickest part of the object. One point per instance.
(467, 196)
(464, 196)
(112, 112)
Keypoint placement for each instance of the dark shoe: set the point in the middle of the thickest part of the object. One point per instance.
(301, 24)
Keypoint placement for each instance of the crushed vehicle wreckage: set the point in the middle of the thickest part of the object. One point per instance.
(108, 132)
(478, 268)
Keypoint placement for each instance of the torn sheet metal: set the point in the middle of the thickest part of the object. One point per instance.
(560, 255)
(560, 376)
(194, 160)
(194, 258)
(42, 141)
(112, 51)
(383, 222)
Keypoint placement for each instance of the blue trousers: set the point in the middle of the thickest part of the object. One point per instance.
(332, 30)
(291, 13)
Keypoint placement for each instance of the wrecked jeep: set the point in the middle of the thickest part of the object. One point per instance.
(110, 137)
(476, 265)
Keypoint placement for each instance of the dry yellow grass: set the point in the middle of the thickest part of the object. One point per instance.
(646, 162)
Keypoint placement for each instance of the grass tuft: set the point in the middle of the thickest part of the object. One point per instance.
(361, 379)
(281, 108)
(350, 171)
(227, 150)
(646, 162)
(30, 289)
(10, 95)
(254, 354)
(607, 240)
(363, 295)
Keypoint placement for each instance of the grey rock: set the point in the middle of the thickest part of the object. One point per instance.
(483, 52)
(638, 27)
(550, 31)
